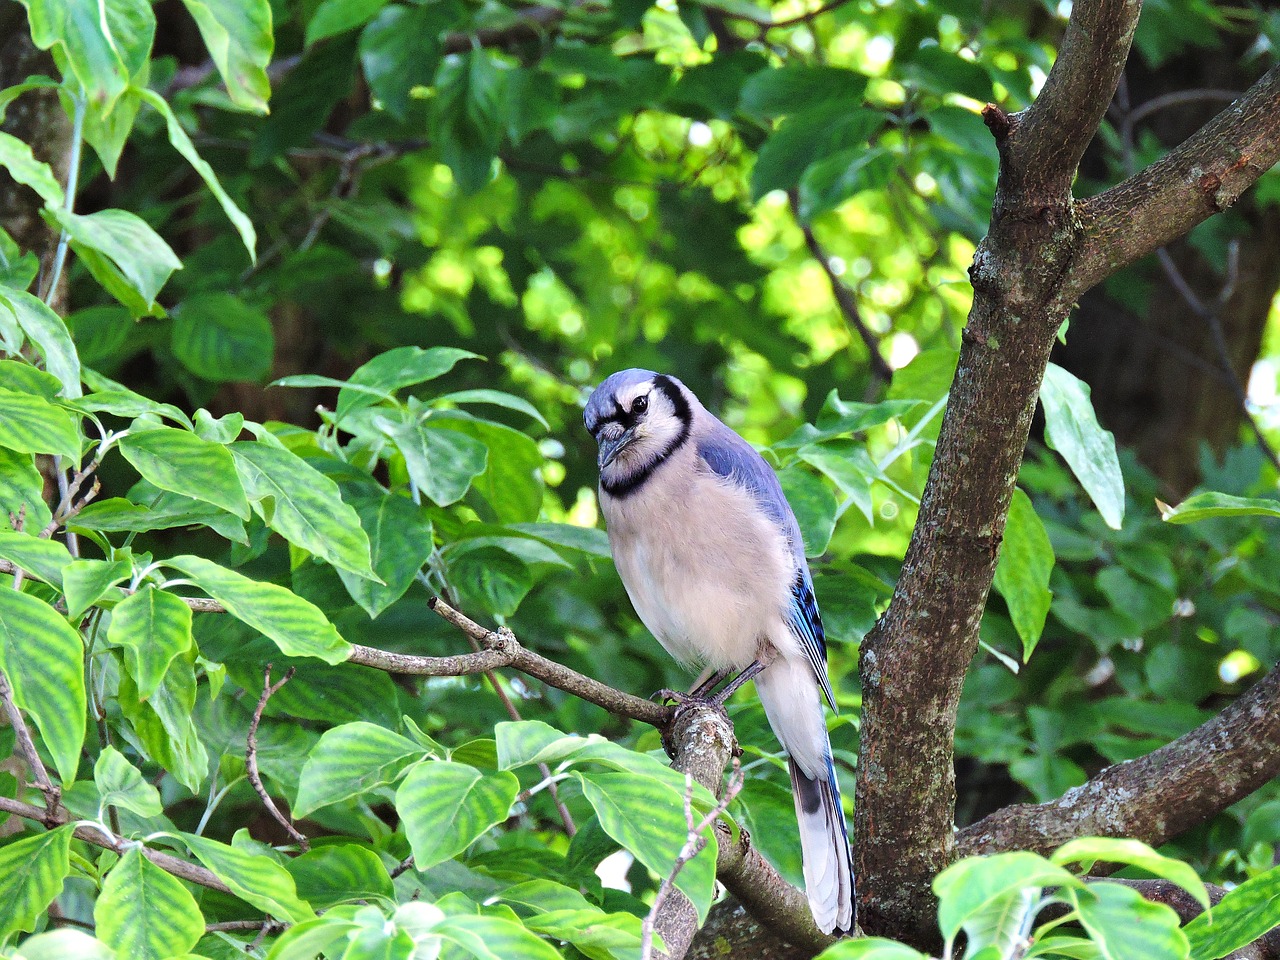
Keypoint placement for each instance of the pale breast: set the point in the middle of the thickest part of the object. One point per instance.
(707, 572)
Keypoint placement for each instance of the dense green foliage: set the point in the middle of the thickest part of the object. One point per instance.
(454, 220)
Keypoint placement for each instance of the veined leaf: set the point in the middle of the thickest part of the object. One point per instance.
(85, 582)
(120, 784)
(988, 897)
(31, 424)
(303, 505)
(493, 938)
(16, 157)
(22, 490)
(296, 626)
(181, 462)
(1022, 575)
(1242, 916)
(240, 41)
(445, 806)
(398, 368)
(1137, 854)
(218, 337)
(1128, 927)
(32, 871)
(61, 944)
(46, 330)
(254, 879)
(104, 45)
(44, 559)
(153, 627)
(400, 540)
(138, 252)
(341, 873)
(351, 760)
(440, 463)
(44, 661)
(647, 817)
(145, 914)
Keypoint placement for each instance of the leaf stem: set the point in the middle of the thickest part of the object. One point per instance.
(69, 201)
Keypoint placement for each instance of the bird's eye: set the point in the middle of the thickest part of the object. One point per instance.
(640, 405)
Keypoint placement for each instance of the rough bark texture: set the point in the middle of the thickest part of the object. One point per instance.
(913, 662)
(1156, 797)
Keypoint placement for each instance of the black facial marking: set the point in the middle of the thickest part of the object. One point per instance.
(625, 486)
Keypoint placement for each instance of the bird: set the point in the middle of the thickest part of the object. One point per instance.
(711, 556)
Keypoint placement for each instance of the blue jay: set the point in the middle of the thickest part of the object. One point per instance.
(710, 553)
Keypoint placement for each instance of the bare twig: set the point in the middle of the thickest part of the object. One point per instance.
(880, 369)
(403, 867)
(183, 869)
(694, 842)
(52, 792)
(251, 756)
(230, 926)
(61, 517)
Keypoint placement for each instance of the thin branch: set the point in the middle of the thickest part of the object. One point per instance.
(500, 648)
(1157, 796)
(251, 757)
(1177, 98)
(180, 868)
(1203, 176)
(52, 792)
(880, 369)
(693, 844)
(403, 867)
(230, 926)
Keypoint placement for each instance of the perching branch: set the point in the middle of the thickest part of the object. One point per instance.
(251, 757)
(183, 869)
(913, 662)
(52, 792)
(1155, 797)
(502, 649)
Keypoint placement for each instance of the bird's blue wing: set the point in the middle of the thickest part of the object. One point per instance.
(731, 457)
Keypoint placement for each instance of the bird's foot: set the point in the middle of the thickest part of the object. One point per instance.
(677, 697)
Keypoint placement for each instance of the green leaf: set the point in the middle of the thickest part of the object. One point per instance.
(138, 252)
(64, 944)
(511, 483)
(493, 938)
(105, 44)
(490, 578)
(153, 628)
(399, 368)
(44, 559)
(988, 897)
(832, 180)
(807, 137)
(311, 939)
(162, 724)
(646, 816)
(183, 463)
(16, 157)
(145, 914)
(338, 16)
(85, 582)
(351, 760)
(303, 505)
(497, 398)
(46, 330)
(31, 424)
(253, 878)
(814, 505)
(44, 661)
(240, 41)
(869, 948)
(219, 337)
(296, 626)
(1022, 575)
(1241, 917)
(1127, 927)
(1135, 853)
(526, 742)
(340, 873)
(167, 511)
(108, 133)
(772, 93)
(100, 333)
(400, 50)
(445, 806)
(440, 463)
(25, 378)
(121, 785)
(596, 934)
(1072, 429)
(22, 490)
(179, 140)
(17, 270)
(32, 871)
(1205, 505)
(400, 542)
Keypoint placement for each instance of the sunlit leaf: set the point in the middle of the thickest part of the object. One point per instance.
(145, 913)
(445, 806)
(1071, 428)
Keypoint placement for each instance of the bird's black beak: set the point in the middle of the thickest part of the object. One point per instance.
(613, 443)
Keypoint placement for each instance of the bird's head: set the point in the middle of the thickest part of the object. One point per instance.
(638, 418)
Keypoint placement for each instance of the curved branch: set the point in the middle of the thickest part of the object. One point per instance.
(1155, 797)
(914, 660)
(502, 649)
(1203, 176)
